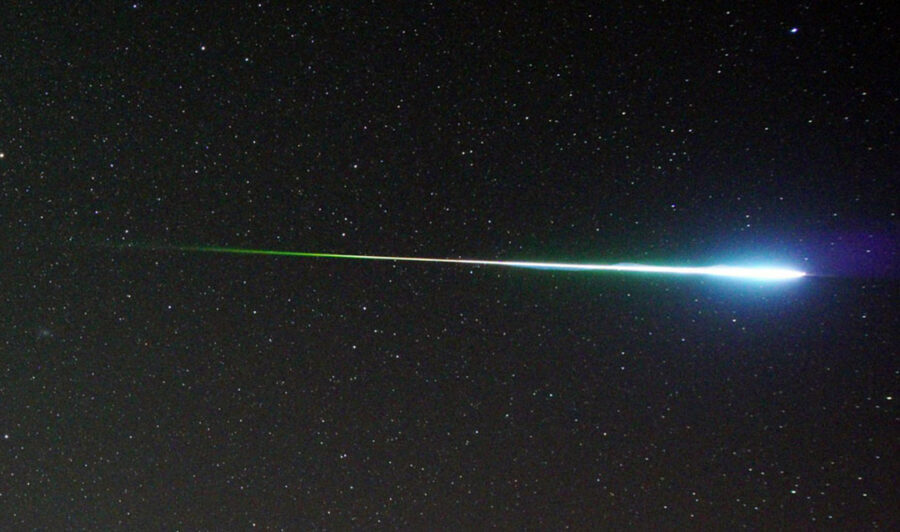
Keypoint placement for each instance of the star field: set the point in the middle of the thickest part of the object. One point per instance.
(147, 386)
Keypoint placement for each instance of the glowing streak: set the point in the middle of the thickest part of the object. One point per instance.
(737, 272)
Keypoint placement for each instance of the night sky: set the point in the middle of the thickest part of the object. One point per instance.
(144, 386)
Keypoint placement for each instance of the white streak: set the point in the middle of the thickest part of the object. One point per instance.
(737, 272)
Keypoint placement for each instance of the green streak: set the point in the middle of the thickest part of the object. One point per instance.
(757, 273)
(242, 251)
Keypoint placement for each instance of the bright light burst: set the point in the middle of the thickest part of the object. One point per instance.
(734, 272)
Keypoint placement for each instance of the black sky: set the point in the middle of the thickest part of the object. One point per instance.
(151, 388)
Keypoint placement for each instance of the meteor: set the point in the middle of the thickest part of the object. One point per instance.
(752, 273)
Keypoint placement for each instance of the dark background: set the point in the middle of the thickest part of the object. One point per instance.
(146, 387)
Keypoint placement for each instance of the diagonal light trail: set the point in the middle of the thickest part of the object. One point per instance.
(735, 272)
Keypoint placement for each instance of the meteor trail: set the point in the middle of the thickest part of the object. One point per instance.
(735, 272)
